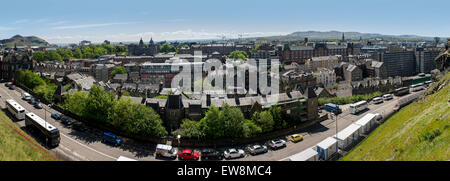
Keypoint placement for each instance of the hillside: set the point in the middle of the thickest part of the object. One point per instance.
(24, 41)
(337, 35)
(419, 131)
(16, 145)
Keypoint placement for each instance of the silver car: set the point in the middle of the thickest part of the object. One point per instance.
(233, 153)
(257, 149)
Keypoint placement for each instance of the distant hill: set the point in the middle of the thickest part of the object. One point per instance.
(24, 41)
(337, 35)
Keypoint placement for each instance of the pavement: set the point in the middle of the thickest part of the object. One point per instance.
(86, 146)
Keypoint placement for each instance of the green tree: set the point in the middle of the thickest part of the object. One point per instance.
(251, 129)
(165, 48)
(100, 104)
(117, 70)
(279, 122)
(189, 129)
(76, 102)
(233, 122)
(211, 124)
(78, 53)
(39, 56)
(236, 55)
(264, 120)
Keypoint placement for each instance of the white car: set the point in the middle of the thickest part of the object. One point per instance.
(387, 97)
(277, 143)
(377, 100)
(233, 153)
(26, 96)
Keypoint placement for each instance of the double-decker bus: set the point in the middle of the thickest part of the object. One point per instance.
(16, 109)
(50, 132)
(401, 91)
(358, 107)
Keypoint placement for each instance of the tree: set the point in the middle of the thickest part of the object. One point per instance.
(39, 56)
(165, 48)
(264, 120)
(76, 102)
(99, 105)
(78, 53)
(279, 122)
(238, 55)
(189, 129)
(233, 121)
(117, 70)
(251, 129)
(211, 124)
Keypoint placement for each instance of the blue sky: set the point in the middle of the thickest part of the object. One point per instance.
(61, 21)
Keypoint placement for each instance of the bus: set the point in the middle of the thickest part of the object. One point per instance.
(401, 91)
(16, 109)
(415, 87)
(358, 107)
(50, 132)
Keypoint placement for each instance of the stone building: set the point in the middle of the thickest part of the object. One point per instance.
(141, 49)
(14, 60)
(353, 73)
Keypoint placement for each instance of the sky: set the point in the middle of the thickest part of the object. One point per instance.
(63, 21)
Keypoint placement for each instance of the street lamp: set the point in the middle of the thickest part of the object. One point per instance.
(178, 138)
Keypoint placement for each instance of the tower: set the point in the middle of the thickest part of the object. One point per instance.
(343, 37)
(141, 43)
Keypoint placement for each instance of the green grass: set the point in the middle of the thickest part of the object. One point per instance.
(418, 132)
(16, 145)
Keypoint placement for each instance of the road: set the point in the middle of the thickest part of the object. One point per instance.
(87, 145)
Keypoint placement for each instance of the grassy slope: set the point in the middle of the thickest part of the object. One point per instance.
(15, 147)
(401, 137)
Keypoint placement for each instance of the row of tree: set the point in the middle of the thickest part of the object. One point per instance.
(104, 108)
(90, 51)
(42, 87)
(229, 122)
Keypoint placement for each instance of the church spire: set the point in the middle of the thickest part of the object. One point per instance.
(151, 40)
(141, 43)
(343, 37)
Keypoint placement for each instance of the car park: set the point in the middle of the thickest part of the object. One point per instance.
(377, 100)
(233, 153)
(296, 138)
(111, 138)
(257, 149)
(79, 127)
(165, 151)
(276, 144)
(56, 116)
(188, 155)
(211, 154)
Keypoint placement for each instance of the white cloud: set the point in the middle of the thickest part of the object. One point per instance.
(88, 26)
(20, 21)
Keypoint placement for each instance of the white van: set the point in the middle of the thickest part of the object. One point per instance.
(165, 151)
(387, 97)
(26, 96)
(377, 100)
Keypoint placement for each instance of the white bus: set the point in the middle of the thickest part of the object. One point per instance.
(15, 109)
(415, 87)
(50, 132)
(358, 107)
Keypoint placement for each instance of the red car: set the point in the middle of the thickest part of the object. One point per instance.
(188, 155)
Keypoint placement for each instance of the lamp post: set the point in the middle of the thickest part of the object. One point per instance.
(178, 138)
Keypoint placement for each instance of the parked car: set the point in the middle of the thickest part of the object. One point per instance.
(387, 97)
(111, 138)
(66, 121)
(276, 144)
(12, 87)
(211, 154)
(56, 116)
(8, 85)
(79, 127)
(257, 149)
(296, 138)
(32, 101)
(319, 110)
(38, 105)
(377, 100)
(188, 155)
(233, 153)
(165, 151)
(26, 96)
